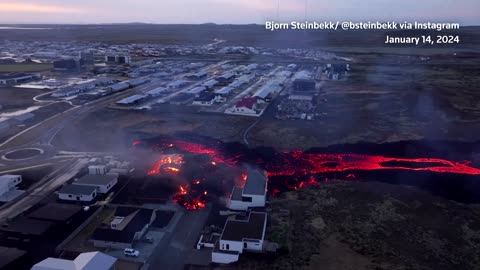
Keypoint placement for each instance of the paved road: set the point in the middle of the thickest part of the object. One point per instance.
(43, 132)
(42, 189)
(245, 134)
(175, 247)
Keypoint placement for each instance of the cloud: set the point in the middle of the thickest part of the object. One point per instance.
(36, 8)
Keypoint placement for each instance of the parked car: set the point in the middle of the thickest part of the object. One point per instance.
(130, 252)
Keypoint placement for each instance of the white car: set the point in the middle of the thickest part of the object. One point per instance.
(130, 252)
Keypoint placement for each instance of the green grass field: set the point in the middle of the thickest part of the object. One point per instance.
(27, 67)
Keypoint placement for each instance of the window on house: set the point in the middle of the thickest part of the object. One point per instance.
(70, 196)
(228, 246)
(246, 199)
(244, 245)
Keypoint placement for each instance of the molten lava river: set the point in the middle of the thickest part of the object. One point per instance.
(301, 168)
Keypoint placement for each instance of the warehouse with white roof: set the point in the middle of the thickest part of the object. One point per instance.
(135, 99)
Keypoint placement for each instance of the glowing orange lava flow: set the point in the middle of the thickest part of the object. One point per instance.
(298, 169)
(189, 201)
(197, 148)
(301, 163)
(298, 162)
(164, 163)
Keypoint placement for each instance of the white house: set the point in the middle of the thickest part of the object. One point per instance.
(253, 194)
(84, 261)
(103, 183)
(97, 169)
(221, 95)
(240, 235)
(244, 106)
(77, 193)
(127, 226)
(204, 100)
(8, 187)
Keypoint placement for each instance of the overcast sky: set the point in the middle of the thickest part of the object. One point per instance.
(235, 11)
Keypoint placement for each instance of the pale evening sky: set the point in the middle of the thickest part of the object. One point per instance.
(235, 11)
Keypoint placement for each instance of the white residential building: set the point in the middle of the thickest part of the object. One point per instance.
(127, 226)
(246, 106)
(84, 261)
(77, 193)
(8, 187)
(253, 194)
(97, 169)
(103, 183)
(240, 235)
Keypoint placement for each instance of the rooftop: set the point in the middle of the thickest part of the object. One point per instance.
(94, 261)
(237, 194)
(24, 225)
(253, 228)
(206, 97)
(84, 261)
(196, 90)
(162, 218)
(225, 90)
(98, 179)
(140, 218)
(200, 74)
(156, 91)
(256, 183)
(131, 99)
(9, 255)
(246, 102)
(227, 76)
(56, 212)
(77, 189)
(54, 264)
(211, 83)
(264, 91)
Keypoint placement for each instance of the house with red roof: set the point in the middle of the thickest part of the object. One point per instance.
(246, 105)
